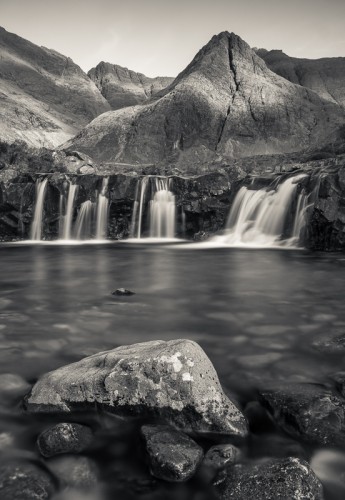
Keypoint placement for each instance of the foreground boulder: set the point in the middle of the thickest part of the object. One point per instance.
(24, 481)
(64, 438)
(288, 479)
(172, 380)
(308, 411)
(173, 456)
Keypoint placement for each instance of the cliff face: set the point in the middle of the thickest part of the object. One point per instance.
(324, 76)
(44, 97)
(122, 87)
(226, 103)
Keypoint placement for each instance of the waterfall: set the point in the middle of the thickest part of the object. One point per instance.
(162, 208)
(102, 211)
(67, 219)
(83, 224)
(259, 218)
(36, 227)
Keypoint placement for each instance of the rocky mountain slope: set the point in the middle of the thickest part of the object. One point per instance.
(225, 104)
(44, 97)
(324, 76)
(122, 87)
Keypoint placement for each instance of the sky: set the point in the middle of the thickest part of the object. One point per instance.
(160, 37)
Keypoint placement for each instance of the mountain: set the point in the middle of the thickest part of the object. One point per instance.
(324, 76)
(227, 103)
(122, 87)
(44, 97)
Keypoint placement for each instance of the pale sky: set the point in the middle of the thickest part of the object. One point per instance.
(160, 37)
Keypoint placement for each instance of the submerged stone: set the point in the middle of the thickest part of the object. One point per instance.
(13, 385)
(24, 481)
(221, 455)
(173, 380)
(288, 479)
(308, 411)
(64, 438)
(173, 456)
(74, 471)
(122, 291)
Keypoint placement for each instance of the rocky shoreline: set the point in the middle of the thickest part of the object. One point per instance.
(182, 423)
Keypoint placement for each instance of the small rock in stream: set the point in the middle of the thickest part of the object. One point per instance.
(307, 411)
(288, 479)
(25, 481)
(221, 455)
(122, 291)
(173, 456)
(64, 438)
(74, 471)
(13, 385)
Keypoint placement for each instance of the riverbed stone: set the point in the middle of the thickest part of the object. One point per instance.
(123, 291)
(64, 438)
(173, 456)
(221, 455)
(13, 385)
(308, 411)
(74, 471)
(174, 381)
(287, 479)
(24, 481)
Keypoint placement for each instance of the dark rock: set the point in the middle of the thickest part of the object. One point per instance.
(339, 379)
(288, 479)
(308, 411)
(221, 455)
(172, 380)
(122, 291)
(330, 344)
(74, 471)
(64, 438)
(173, 456)
(24, 481)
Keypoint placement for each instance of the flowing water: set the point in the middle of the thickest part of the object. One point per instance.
(36, 228)
(256, 313)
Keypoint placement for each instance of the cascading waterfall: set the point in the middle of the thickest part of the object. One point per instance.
(102, 211)
(36, 227)
(67, 219)
(162, 208)
(84, 222)
(258, 218)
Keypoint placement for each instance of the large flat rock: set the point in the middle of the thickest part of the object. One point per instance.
(174, 381)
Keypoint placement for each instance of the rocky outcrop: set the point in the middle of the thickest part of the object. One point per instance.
(45, 98)
(171, 380)
(226, 103)
(173, 456)
(324, 76)
(290, 478)
(122, 87)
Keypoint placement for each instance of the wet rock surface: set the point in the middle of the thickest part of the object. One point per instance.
(64, 438)
(24, 481)
(172, 380)
(123, 291)
(288, 479)
(221, 455)
(173, 456)
(310, 412)
(74, 471)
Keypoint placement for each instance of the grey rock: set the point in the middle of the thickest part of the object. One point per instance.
(288, 479)
(24, 481)
(221, 455)
(74, 471)
(123, 291)
(311, 412)
(172, 380)
(64, 438)
(173, 456)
